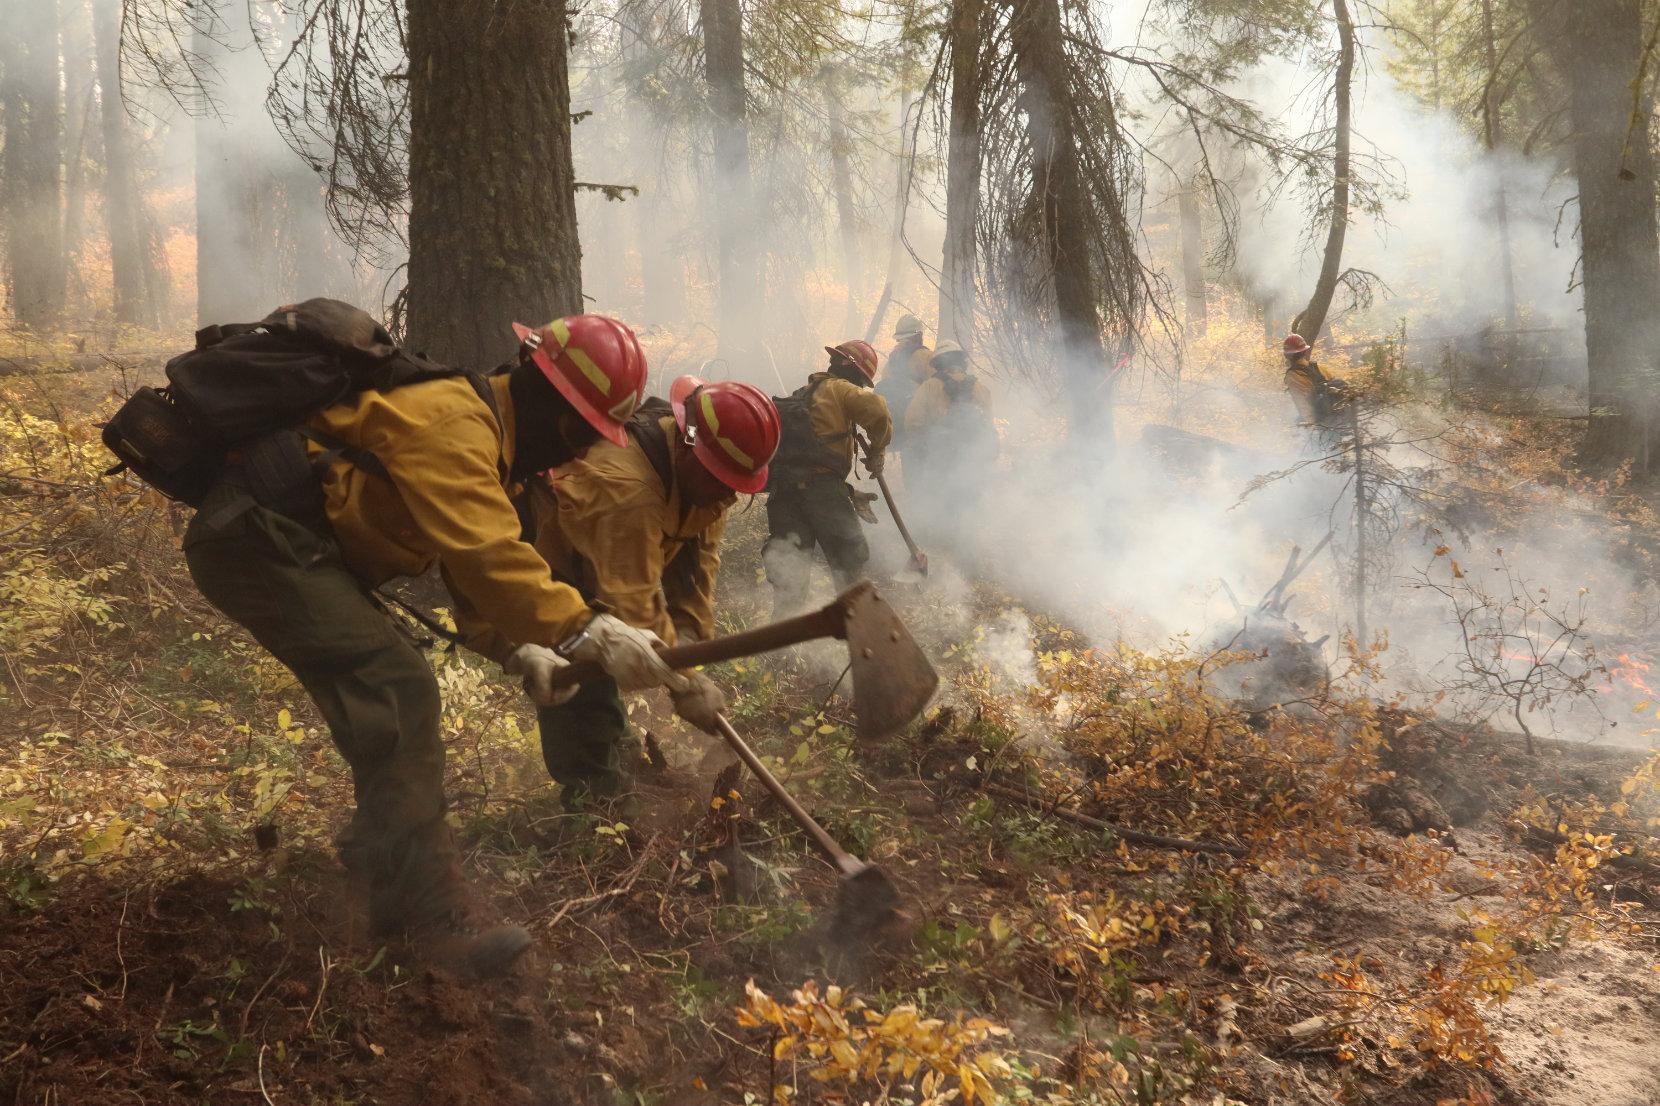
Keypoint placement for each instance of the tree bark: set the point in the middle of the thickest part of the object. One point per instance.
(1193, 259)
(1061, 202)
(31, 171)
(492, 224)
(1493, 133)
(123, 203)
(78, 104)
(1313, 318)
(841, 181)
(962, 174)
(1595, 45)
(737, 262)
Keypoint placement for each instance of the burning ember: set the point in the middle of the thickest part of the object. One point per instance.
(1627, 669)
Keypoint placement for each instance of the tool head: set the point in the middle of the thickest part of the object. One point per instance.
(865, 903)
(892, 679)
(919, 563)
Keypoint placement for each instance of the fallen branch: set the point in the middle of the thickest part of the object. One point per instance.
(1135, 837)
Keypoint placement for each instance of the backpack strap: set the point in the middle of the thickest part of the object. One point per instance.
(646, 428)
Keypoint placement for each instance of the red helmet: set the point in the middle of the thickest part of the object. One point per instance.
(596, 363)
(734, 429)
(683, 387)
(859, 352)
(1294, 345)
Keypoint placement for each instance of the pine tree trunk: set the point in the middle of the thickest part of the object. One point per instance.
(1062, 205)
(737, 271)
(129, 252)
(1595, 46)
(77, 114)
(841, 180)
(1193, 260)
(962, 174)
(1493, 132)
(1313, 318)
(492, 224)
(31, 171)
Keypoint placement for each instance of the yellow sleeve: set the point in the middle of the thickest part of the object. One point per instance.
(691, 598)
(476, 634)
(449, 482)
(617, 528)
(868, 411)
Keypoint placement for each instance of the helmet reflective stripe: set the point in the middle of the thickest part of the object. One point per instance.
(708, 408)
(624, 408)
(579, 357)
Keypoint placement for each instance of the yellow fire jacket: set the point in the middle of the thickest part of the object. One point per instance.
(839, 406)
(607, 525)
(447, 503)
(1303, 383)
(930, 405)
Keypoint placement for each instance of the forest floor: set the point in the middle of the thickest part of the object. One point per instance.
(1420, 911)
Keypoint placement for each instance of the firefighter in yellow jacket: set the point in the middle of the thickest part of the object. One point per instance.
(638, 529)
(951, 439)
(438, 493)
(906, 369)
(809, 501)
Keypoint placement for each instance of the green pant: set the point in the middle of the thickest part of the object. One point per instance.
(288, 586)
(582, 741)
(804, 514)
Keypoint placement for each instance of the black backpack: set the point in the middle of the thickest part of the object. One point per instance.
(240, 399)
(801, 452)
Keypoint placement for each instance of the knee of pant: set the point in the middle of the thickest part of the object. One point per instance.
(381, 705)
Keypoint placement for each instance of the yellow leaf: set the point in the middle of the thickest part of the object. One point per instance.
(155, 800)
(97, 844)
(998, 928)
(284, 719)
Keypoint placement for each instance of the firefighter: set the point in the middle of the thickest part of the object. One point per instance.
(809, 501)
(638, 529)
(907, 367)
(952, 440)
(1318, 397)
(441, 496)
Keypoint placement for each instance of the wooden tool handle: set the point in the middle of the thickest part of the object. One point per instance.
(887, 496)
(839, 856)
(826, 622)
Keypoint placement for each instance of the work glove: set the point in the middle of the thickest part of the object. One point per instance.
(699, 700)
(629, 656)
(873, 464)
(537, 664)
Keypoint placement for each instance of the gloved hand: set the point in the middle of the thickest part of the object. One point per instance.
(698, 700)
(537, 664)
(628, 656)
(873, 464)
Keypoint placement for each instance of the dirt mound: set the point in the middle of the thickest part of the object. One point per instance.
(159, 995)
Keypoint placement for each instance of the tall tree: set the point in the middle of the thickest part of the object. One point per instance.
(124, 215)
(1596, 46)
(841, 184)
(1063, 212)
(31, 171)
(78, 105)
(1312, 320)
(1492, 128)
(1193, 258)
(737, 264)
(965, 37)
(492, 220)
